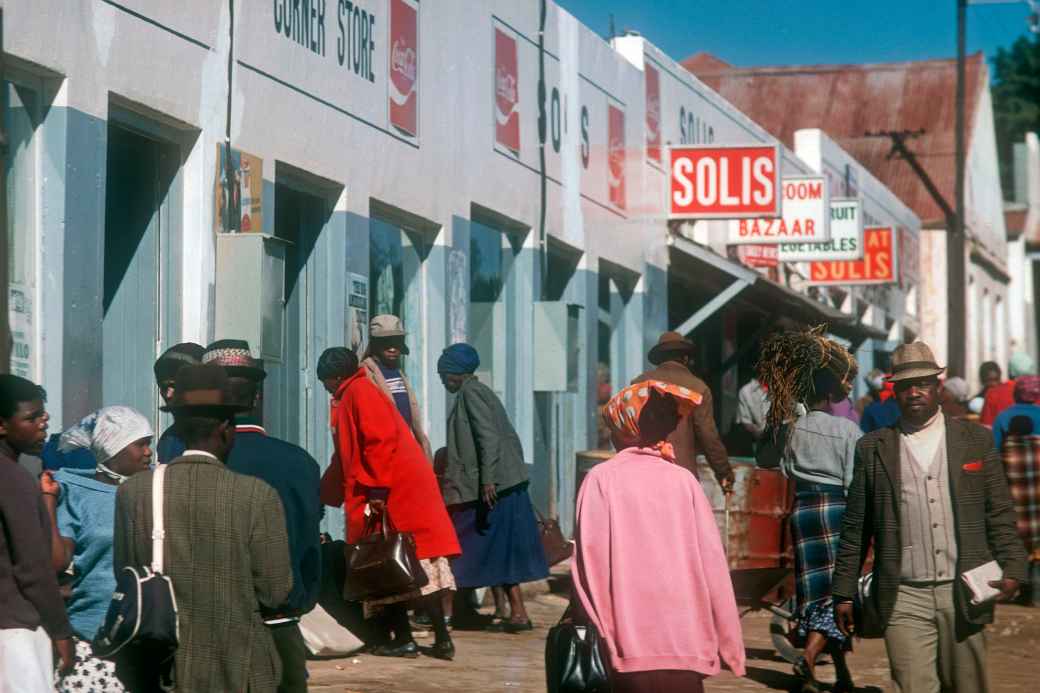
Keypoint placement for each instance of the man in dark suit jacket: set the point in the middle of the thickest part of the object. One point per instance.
(696, 433)
(295, 476)
(931, 495)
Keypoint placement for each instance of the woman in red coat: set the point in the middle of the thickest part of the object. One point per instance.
(385, 467)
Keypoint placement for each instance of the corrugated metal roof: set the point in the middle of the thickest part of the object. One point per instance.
(847, 101)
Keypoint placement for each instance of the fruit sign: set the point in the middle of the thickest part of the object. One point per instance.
(878, 265)
(719, 182)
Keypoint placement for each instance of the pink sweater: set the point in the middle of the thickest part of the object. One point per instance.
(650, 570)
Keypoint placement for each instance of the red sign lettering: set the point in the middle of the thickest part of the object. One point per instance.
(876, 267)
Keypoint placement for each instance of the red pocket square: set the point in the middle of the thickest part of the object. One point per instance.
(974, 466)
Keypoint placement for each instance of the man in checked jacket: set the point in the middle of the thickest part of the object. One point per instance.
(931, 495)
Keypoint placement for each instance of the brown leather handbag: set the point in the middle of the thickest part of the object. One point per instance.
(555, 546)
(383, 563)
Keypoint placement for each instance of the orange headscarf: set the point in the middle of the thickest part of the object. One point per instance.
(623, 410)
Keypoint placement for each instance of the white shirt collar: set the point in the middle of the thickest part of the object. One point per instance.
(200, 453)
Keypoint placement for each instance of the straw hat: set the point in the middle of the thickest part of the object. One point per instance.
(911, 361)
(203, 391)
(234, 356)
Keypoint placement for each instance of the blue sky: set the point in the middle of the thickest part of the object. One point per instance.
(790, 32)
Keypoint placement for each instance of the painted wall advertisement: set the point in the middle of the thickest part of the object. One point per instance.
(616, 156)
(403, 84)
(876, 267)
(507, 94)
(719, 182)
(805, 216)
(238, 198)
(846, 241)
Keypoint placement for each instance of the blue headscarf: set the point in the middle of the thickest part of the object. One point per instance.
(458, 359)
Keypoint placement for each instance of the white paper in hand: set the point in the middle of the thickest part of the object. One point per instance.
(977, 581)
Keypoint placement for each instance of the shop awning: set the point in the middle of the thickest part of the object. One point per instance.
(727, 281)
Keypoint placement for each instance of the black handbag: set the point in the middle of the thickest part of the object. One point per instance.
(383, 563)
(140, 626)
(574, 660)
(866, 615)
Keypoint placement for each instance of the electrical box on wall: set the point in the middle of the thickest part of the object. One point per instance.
(250, 292)
(557, 346)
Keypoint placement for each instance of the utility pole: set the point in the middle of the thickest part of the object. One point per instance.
(956, 274)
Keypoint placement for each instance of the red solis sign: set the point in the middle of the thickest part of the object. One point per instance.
(653, 113)
(719, 182)
(507, 96)
(878, 265)
(404, 66)
(616, 156)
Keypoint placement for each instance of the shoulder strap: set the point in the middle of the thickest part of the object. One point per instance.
(158, 530)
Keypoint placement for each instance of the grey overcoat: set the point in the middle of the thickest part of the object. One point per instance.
(227, 553)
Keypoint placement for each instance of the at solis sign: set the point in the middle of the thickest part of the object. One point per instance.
(878, 265)
(507, 95)
(616, 156)
(404, 66)
(805, 217)
(719, 182)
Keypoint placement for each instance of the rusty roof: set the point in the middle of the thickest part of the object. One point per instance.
(847, 101)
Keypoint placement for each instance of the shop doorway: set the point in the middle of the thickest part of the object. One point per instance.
(139, 305)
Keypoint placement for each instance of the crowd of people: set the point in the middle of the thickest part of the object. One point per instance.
(935, 494)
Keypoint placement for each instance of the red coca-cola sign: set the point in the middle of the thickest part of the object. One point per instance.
(507, 95)
(404, 66)
(616, 156)
(653, 113)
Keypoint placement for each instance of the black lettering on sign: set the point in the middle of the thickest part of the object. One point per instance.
(554, 119)
(302, 21)
(585, 137)
(355, 45)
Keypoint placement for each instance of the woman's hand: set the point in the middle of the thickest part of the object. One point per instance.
(489, 495)
(48, 486)
(377, 505)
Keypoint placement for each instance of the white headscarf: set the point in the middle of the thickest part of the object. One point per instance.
(106, 433)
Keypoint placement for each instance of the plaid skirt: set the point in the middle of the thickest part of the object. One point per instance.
(816, 530)
(1021, 456)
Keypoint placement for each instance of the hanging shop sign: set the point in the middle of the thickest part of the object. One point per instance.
(507, 94)
(724, 182)
(846, 241)
(758, 255)
(653, 113)
(238, 196)
(805, 216)
(404, 67)
(616, 156)
(878, 265)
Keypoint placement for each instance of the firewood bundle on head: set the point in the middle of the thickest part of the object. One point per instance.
(788, 363)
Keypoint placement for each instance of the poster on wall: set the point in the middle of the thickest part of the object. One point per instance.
(876, 267)
(653, 113)
(507, 94)
(19, 314)
(846, 241)
(403, 85)
(357, 312)
(239, 197)
(616, 156)
(804, 217)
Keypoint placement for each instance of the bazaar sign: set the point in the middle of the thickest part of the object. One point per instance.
(805, 217)
(846, 241)
(878, 265)
(724, 182)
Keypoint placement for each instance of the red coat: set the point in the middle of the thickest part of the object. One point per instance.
(998, 398)
(378, 450)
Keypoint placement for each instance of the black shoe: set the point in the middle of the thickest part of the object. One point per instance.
(513, 627)
(409, 650)
(809, 682)
(442, 650)
(844, 684)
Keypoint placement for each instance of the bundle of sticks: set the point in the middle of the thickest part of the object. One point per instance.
(787, 363)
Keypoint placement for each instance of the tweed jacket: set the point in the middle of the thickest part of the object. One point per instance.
(483, 447)
(984, 517)
(697, 432)
(376, 376)
(227, 553)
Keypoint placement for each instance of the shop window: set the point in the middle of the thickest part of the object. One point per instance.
(489, 258)
(21, 111)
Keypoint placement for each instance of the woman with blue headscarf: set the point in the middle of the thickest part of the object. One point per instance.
(484, 481)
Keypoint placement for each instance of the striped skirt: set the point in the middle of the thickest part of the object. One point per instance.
(816, 529)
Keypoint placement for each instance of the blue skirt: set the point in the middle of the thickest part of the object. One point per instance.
(501, 546)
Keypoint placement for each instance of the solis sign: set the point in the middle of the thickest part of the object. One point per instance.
(716, 182)
(878, 265)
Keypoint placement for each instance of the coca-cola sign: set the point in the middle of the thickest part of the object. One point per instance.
(653, 113)
(403, 84)
(507, 95)
(616, 155)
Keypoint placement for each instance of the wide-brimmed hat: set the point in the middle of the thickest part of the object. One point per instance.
(388, 327)
(176, 357)
(234, 356)
(203, 391)
(911, 361)
(669, 344)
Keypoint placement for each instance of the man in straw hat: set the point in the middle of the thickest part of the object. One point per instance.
(931, 494)
(295, 476)
(696, 433)
(226, 549)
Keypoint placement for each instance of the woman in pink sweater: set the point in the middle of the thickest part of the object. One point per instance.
(650, 572)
